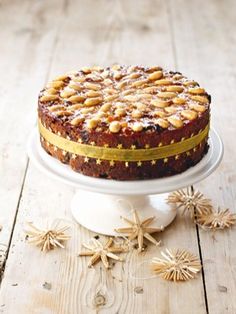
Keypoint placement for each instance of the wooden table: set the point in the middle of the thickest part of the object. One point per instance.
(40, 39)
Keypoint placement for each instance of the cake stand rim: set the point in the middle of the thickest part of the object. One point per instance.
(140, 187)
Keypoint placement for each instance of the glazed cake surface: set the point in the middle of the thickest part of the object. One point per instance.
(125, 122)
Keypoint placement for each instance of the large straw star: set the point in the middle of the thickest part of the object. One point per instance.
(140, 230)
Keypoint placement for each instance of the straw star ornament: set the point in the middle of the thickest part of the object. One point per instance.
(48, 238)
(190, 201)
(176, 265)
(102, 252)
(140, 230)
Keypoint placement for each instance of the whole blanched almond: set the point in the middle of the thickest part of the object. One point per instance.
(128, 92)
(63, 113)
(179, 101)
(190, 83)
(92, 123)
(77, 120)
(93, 93)
(56, 84)
(51, 91)
(171, 109)
(110, 97)
(120, 112)
(130, 98)
(105, 107)
(196, 91)
(75, 107)
(75, 86)
(93, 101)
(197, 107)
(121, 84)
(86, 70)
(56, 108)
(159, 113)
(137, 127)
(49, 98)
(136, 114)
(160, 103)
(145, 96)
(175, 121)
(133, 76)
(163, 82)
(155, 76)
(140, 106)
(61, 78)
(166, 95)
(76, 98)
(189, 114)
(92, 86)
(162, 123)
(139, 83)
(79, 79)
(66, 93)
(174, 88)
(200, 99)
(87, 110)
(115, 126)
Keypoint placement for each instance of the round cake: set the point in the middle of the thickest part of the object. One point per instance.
(124, 122)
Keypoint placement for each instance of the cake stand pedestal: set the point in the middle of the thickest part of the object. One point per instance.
(98, 204)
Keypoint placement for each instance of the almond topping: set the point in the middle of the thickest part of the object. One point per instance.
(200, 99)
(92, 86)
(178, 101)
(63, 113)
(130, 98)
(155, 76)
(159, 113)
(122, 84)
(166, 95)
(174, 88)
(189, 114)
(75, 86)
(196, 107)
(56, 84)
(110, 97)
(115, 127)
(120, 112)
(86, 70)
(87, 110)
(137, 127)
(76, 98)
(175, 121)
(138, 83)
(56, 107)
(75, 107)
(171, 109)
(190, 83)
(105, 107)
(136, 114)
(61, 78)
(67, 93)
(163, 82)
(77, 120)
(163, 123)
(49, 98)
(160, 103)
(93, 101)
(140, 106)
(51, 91)
(92, 123)
(93, 93)
(196, 90)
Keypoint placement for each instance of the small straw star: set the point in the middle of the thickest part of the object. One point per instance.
(190, 201)
(48, 238)
(176, 265)
(140, 230)
(102, 252)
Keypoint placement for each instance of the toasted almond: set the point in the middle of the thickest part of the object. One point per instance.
(61, 78)
(133, 76)
(140, 106)
(153, 69)
(51, 91)
(77, 120)
(138, 83)
(92, 86)
(49, 98)
(75, 107)
(110, 97)
(105, 107)
(92, 123)
(174, 88)
(115, 126)
(150, 89)
(93, 101)
(145, 96)
(163, 82)
(171, 109)
(105, 74)
(93, 93)
(197, 107)
(128, 92)
(117, 75)
(107, 82)
(177, 76)
(175, 121)
(121, 84)
(75, 86)
(116, 67)
(86, 70)
(178, 100)
(137, 127)
(162, 123)
(155, 75)
(101, 114)
(87, 110)
(190, 83)
(56, 107)
(56, 84)
(97, 68)
(79, 79)
(189, 114)
(159, 113)
(63, 113)
(76, 98)
(166, 95)
(136, 114)
(120, 112)
(66, 93)
(110, 91)
(130, 98)
(196, 90)
(200, 99)
(160, 103)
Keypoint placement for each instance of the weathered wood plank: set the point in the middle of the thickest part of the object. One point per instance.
(127, 32)
(206, 51)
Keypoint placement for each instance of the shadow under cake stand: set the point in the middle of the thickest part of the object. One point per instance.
(98, 204)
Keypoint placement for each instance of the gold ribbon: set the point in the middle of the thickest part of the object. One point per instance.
(122, 154)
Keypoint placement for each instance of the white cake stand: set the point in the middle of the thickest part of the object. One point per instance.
(98, 204)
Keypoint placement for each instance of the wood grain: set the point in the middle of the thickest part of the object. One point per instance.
(43, 39)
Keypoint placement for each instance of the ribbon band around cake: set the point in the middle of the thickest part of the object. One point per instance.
(122, 154)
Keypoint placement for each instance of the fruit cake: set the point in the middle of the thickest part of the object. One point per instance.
(125, 122)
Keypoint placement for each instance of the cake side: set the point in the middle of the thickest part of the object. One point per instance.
(162, 118)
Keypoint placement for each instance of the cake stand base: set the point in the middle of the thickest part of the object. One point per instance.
(102, 213)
